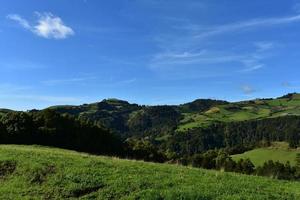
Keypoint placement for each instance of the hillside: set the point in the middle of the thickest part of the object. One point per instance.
(126, 118)
(33, 172)
(241, 111)
(195, 127)
(158, 133)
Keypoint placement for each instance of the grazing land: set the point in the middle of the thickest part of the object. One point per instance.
(279, 151)
(35, 172)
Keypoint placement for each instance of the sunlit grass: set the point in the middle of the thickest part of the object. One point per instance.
(49, 173)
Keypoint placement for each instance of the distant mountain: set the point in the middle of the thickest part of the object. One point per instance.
(110, 113)
(4, 111)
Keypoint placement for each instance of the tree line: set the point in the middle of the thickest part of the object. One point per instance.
(50, 128)
(221, 160)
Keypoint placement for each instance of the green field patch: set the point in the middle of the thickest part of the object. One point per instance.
(277, 152)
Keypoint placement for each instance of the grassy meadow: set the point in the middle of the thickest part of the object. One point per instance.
(279, 151)
(34, 172)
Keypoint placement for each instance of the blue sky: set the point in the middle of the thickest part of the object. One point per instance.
(146, 51)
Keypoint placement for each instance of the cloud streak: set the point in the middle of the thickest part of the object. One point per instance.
(24, 23)
(247, 89)
(165, 60)
(178, 51)
(249, 61)
(47, 26)
(66, 81)
(291, 85)
(222, 29)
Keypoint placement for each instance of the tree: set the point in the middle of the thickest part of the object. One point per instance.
(245, 166)
(298, 166)
(298, 160)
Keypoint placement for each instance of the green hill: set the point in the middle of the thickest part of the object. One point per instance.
(277, 152)
(126, 118)
(33, 172)
(241, 111)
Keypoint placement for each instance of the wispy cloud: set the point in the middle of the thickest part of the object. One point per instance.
(184, 55)
(247, 89)
(249, 62)
(264, 46)
(166, 60)
(47, 26)
(7, 87)
(21, 65)
(184, 51)
(24, 23)
(128, 81)
(252, 68)
(291, 85)
(246, 25)
(67, 81)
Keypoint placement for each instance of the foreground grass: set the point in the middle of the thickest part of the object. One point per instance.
(32, 172)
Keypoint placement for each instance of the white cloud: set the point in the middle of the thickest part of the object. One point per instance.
(47, 26)
(50, 26)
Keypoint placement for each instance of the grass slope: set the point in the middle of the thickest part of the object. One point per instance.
(279, 151)
(241, 111)
(32, 172)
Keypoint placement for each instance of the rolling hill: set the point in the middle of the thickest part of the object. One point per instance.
(173, 128)
(241, 111)
(166, 132)
(126, 118)
(34, 172)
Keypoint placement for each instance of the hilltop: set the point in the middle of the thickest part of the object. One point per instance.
(34, 172)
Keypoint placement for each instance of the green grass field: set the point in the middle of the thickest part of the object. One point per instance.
(277, 152)
(33, 172)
